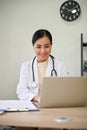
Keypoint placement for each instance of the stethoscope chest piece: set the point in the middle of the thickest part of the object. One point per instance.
(53, 72)
(34, 84)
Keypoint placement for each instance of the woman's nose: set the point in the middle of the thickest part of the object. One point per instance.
(42, 50)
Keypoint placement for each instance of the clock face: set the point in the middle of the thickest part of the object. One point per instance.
(70, 10)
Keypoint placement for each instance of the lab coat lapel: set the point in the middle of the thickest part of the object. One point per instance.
(36, 71)
(49, 67)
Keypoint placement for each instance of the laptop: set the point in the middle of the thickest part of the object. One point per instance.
(64, 92)
(55, 92)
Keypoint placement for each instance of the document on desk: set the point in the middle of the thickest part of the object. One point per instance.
(17, 105)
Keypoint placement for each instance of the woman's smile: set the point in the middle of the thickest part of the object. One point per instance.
(42, 48)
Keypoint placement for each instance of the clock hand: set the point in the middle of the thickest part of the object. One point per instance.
(68, 9)
(73, 10)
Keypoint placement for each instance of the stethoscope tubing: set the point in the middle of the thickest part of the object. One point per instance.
(52, 71)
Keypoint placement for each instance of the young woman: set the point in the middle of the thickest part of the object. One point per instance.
(43, 64)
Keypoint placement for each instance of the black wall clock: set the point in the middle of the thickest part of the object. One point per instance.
(70, 10)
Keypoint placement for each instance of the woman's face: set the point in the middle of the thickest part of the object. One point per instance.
(42, 48)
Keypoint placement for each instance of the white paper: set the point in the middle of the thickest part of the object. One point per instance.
(17, 105)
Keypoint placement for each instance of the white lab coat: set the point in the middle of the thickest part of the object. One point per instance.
(24, 89)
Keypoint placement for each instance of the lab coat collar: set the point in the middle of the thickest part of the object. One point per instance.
(48, 70)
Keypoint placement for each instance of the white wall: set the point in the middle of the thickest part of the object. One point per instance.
(19, 19)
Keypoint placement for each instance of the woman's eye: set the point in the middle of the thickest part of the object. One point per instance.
(38, 47)
(46, 46)
(41, 47)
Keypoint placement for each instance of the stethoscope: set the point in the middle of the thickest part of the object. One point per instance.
(53, 71)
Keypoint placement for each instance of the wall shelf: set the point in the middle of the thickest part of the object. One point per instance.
(83, 45)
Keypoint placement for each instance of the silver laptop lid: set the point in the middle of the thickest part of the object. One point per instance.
(64, 92)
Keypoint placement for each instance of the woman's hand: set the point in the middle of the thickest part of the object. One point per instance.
(36, 99)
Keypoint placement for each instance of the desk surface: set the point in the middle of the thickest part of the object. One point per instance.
(45, 118)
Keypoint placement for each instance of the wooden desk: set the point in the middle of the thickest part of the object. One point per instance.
(45, 118)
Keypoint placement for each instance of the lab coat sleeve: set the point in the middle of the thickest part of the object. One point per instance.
(23, 91)
(61, 69)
